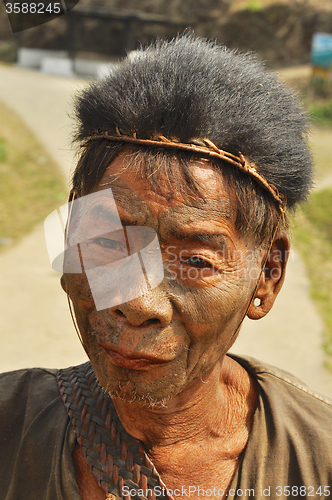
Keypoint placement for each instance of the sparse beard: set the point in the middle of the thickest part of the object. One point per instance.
(144, 399)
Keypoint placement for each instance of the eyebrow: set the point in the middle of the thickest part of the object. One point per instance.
(100, 211)
(214, 240)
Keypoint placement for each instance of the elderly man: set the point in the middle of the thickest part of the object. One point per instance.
(176, 231)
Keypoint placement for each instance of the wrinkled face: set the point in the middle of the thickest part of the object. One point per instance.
(155, 346)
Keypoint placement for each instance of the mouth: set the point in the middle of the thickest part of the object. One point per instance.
(132, 360)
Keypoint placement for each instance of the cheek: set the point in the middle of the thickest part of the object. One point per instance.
(78, 290)
(212, 303)
(77, 287)
(211, 317)
(101, 328)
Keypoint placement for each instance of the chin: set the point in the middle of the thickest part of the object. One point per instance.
(132, 396)
(140, 387)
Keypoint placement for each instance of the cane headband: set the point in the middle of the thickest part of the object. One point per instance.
(204, 147)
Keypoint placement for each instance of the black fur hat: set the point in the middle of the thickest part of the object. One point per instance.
(190, 88)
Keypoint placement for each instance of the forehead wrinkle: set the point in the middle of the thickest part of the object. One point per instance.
(137, 211)
(175, 219)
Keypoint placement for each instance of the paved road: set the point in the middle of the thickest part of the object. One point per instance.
(43, 103)
(36, 329)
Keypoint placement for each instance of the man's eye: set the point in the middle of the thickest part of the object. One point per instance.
(107, 243)
(196, 262)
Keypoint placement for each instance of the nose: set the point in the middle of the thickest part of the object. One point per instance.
(152, 308)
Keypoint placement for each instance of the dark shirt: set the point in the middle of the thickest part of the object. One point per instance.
(289, 447)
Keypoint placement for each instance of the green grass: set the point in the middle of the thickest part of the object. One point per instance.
(312, 226)
(254, 6)
(321, 147)
(31, 185)
(322, 113)
(312, 232)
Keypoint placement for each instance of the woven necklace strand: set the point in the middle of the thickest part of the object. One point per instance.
(114, 457)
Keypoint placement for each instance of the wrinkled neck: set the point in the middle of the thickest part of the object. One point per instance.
(216, 407)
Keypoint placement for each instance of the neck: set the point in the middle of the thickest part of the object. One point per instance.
(215, 408)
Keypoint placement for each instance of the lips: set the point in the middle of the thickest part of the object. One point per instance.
(132, 360)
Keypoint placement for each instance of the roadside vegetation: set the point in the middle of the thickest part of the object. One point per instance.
(322, 113)
(31, 185)
(312, 235)
(312, 225)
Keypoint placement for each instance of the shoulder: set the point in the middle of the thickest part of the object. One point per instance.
(35, 436)
(275, 383)
(290, 441)
(26, 397)
(24, 393)
(291, 430)
(32, 378)
(288, 402)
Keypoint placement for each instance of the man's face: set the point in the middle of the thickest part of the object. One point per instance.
(157, 345)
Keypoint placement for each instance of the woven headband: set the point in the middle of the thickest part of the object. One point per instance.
(208, 149)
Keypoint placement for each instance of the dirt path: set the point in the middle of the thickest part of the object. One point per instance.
(36, 328)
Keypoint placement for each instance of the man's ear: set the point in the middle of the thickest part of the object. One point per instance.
(272, 278)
